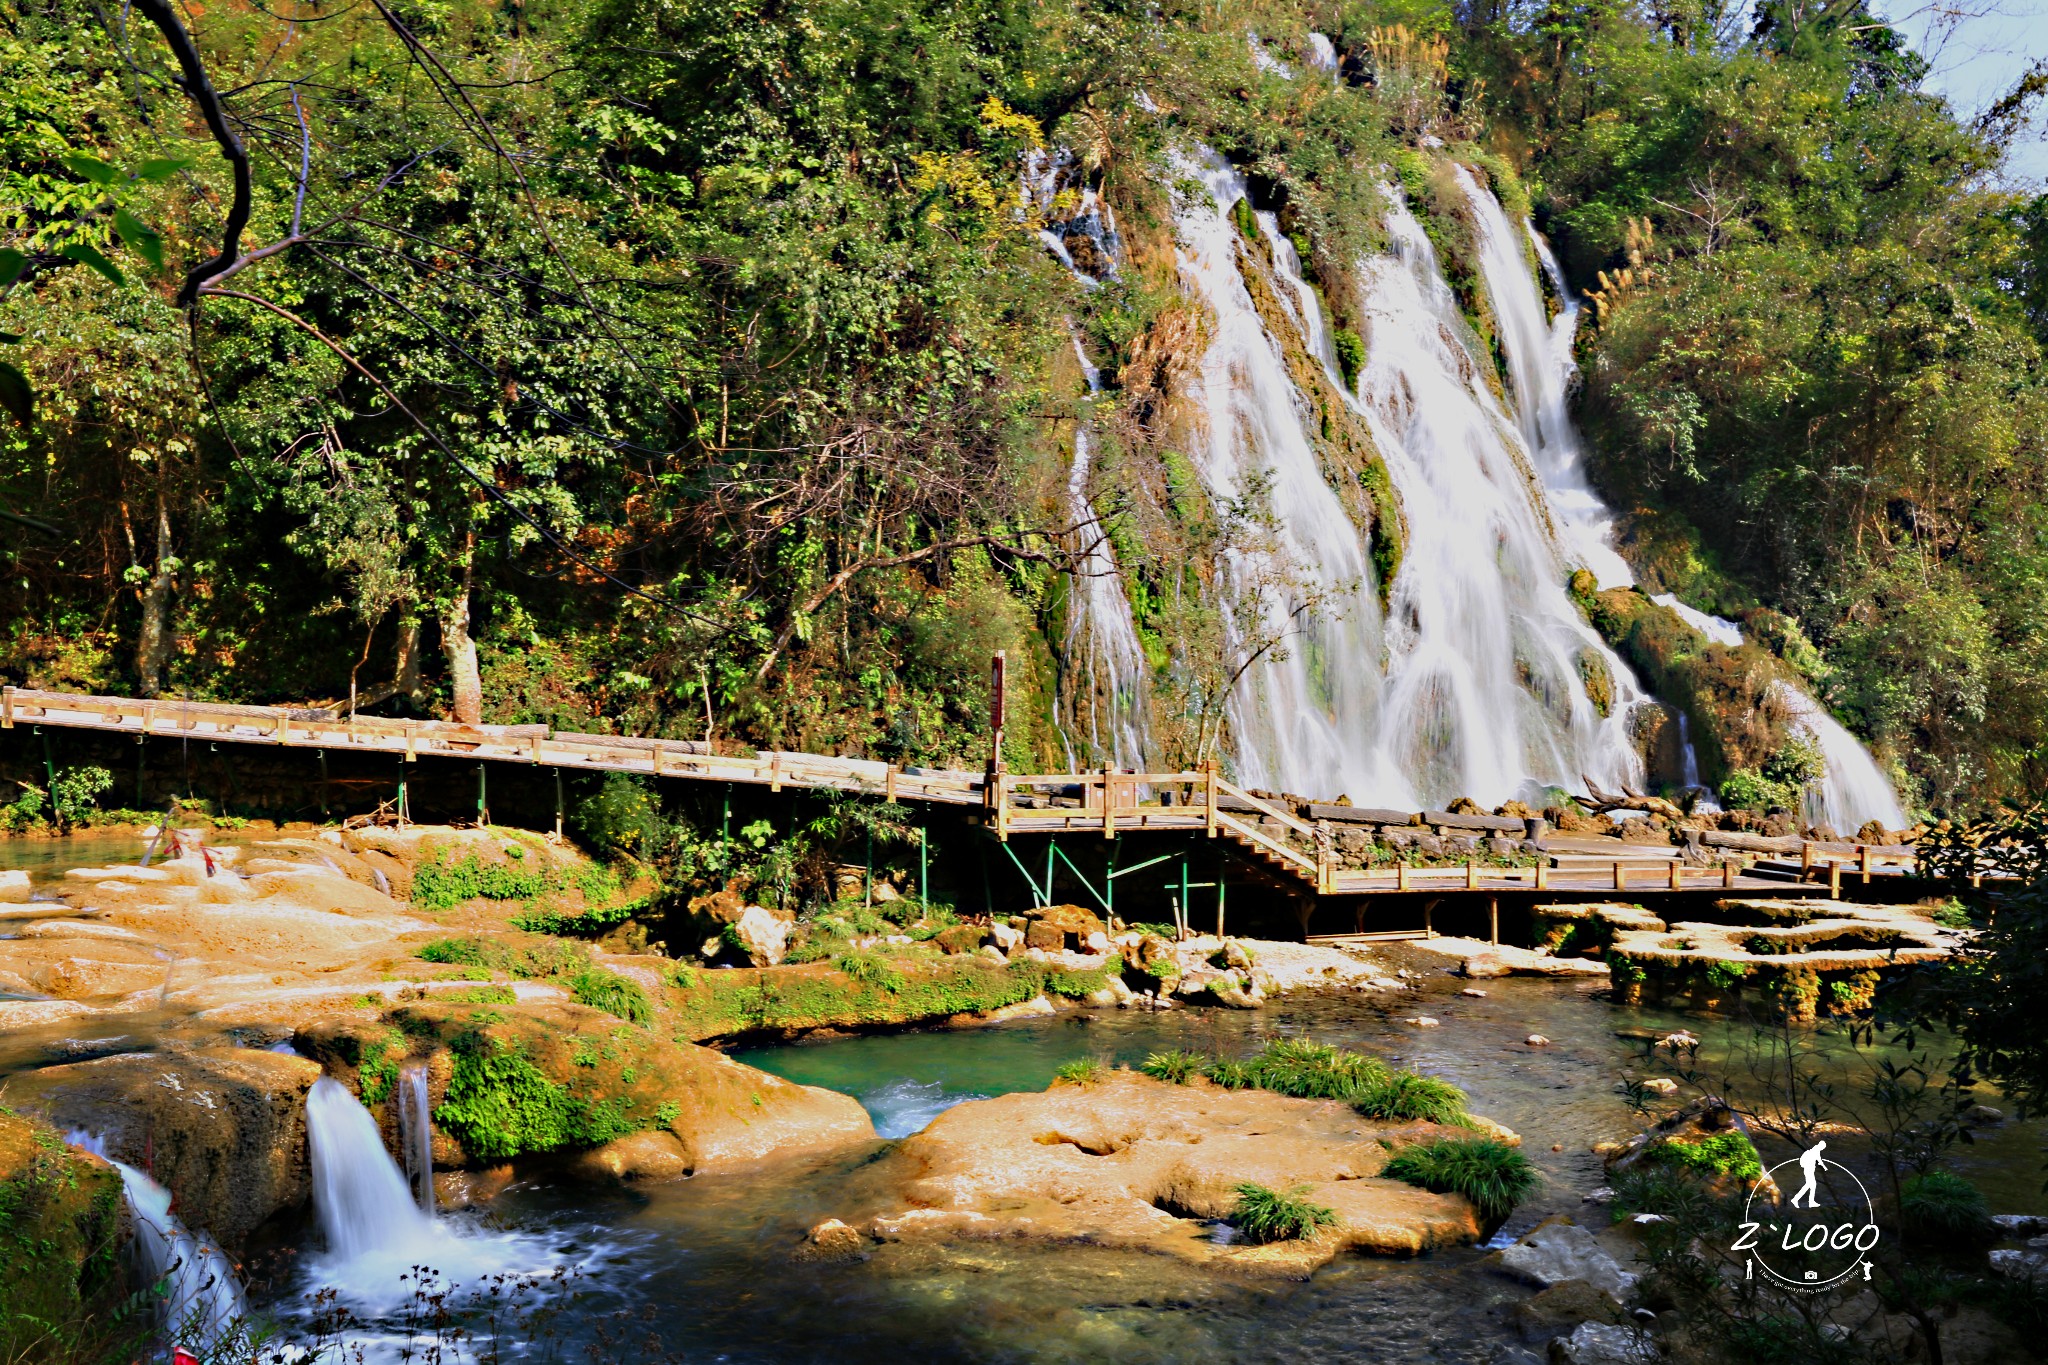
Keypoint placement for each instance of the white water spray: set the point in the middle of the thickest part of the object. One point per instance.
(1111, 706)
(203, 1307)
(1540, 367)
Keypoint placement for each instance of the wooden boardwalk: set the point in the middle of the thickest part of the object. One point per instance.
(1104, 804)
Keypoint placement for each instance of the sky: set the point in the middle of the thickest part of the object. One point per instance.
(1977, 57)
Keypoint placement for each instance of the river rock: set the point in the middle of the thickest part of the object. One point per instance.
(224, 1130)
(2018, 1225)
(1600, 1343)
(1563, 1306)
(1132, 1162)
(1064, 928)
(14, 887)
(657, 1155)
(1536, 1040)
(1661, 1085)
(63, 1211)
(1558, 1250)
(831, 1240)
(1003, 937)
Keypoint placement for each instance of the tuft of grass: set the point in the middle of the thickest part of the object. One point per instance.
(1942, 1207)
(869, 968)
(1493, 1175)
(1232, 1075)
(1267, 1215)
(1403, 1096)
(1315, 1071)
(1087, 1071)
(466, 952)
(1174, 1065)
(487, 995)
(612, 993)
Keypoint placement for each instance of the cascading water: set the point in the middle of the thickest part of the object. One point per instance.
(376, 1233)
(1305, 715)
(203, 1308)
(1111, 706)
(1540, 367)
(416, 1127)
(1472, 684)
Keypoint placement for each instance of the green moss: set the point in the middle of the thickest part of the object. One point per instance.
(500, 1105)
(726, 1003)
(1722, 1154)
(60, 1262)
(1350, 348)
(1722, 975)
(1245, 219)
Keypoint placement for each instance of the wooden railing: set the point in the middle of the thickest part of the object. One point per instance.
(1106, 800)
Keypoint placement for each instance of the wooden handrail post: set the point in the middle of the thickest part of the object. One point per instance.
(1401, 875)
(1677, 875)
(889, 784)
(1805, 860)
(1834, 879)
(1620, 877)
(1727, 873)
(1108, 802)
(1471, 874)
(1209, 796)
(1003, 807)
(775, 773)
(1863, 858)
(1325, 871)
(7, 708)
(1542, 872)
(284, 725)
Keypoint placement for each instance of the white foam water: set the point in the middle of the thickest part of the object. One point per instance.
(203, 1308)
(903, 1107)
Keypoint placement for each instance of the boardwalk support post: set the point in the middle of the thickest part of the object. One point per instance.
(1542, 872)
(1677, 876)
(1493, 920)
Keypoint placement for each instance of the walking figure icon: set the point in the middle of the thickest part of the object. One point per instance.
(1810, 1163)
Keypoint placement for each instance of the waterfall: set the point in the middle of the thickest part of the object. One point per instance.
(1853, 790)
(1540, 366)
(1112, 706)
(416, 1128)
(202, 1307)
(1305, 715)
(358, 1191)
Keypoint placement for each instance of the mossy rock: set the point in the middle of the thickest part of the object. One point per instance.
(62, 1225)
(795, 999)
(543, 1077)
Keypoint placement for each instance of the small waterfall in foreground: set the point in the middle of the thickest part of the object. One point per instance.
(416, 1129)
(1110, 706)
(203, 1307)
(359, 1193)
(1540, 366)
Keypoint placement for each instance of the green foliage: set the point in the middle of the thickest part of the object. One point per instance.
(1403, 1096)
(612, 993)
(869, 968)
(1318, 1071)
(1780, 783)
(487, 995)
(76, 790)
(499, 1105)
(1085, 1071)
(1944, 1208)
(1264, 1215)
(1722, 975)
(442, 881)
(1173, 1066)
(1729, 1154)
(1350, 349)
(1493, 1175)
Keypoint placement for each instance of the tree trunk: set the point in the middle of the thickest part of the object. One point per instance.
(405, 676)
(461, 649)
(153, 646)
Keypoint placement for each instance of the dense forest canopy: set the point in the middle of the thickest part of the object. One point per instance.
(698, 365)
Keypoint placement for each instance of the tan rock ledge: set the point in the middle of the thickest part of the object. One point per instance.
(1132, 1162)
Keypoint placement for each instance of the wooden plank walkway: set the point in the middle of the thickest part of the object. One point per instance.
(1106, 803)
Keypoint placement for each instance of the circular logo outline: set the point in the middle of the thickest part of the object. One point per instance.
(1755, 1254)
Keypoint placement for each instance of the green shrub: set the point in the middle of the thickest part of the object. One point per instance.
(1315, 1071)
(487, 995)
(1493, 1175)
(1730, 1154)
(1953, 915)
(467, 952)
(1942, 1207)
(1403, 1096)
(1174, 1066)
(76, 791)
(1232, 1075)
(1350, 354)
(1087, 1071)
(1722, 975)
(612, 993)
(1265, 1215)
(869, 968)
